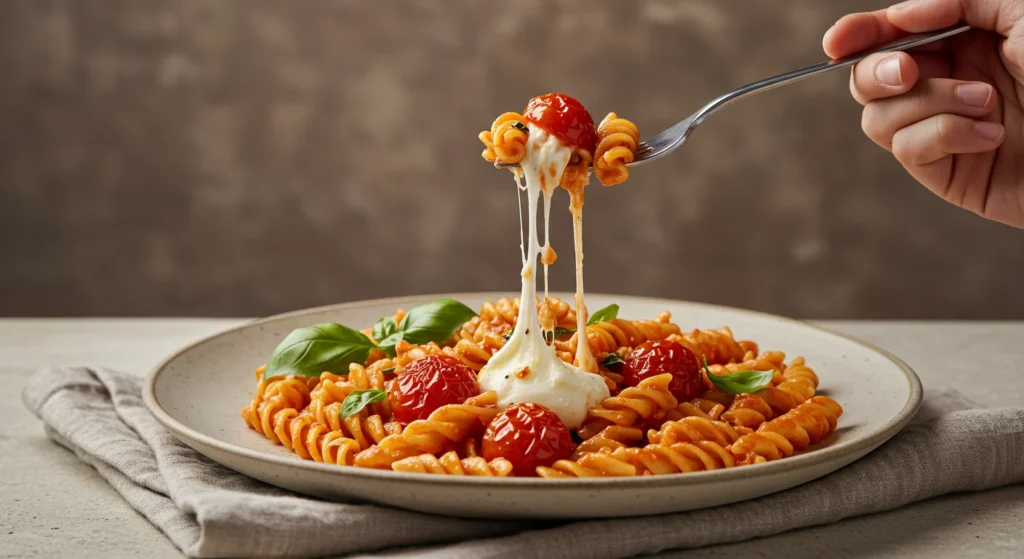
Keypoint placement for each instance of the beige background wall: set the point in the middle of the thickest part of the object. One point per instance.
(229, 157)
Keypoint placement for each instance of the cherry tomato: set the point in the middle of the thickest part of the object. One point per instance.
(527, 435)
(429, 383)
(656, 358)
(563, 117)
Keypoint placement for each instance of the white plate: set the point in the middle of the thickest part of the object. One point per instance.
(197, 394)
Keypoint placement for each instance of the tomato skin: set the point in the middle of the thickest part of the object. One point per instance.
(429, 383)
(563, 117)
(656, 358)
(527, 435)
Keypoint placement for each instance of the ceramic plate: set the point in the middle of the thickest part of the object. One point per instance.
(197, 394)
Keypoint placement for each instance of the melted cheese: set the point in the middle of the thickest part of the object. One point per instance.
(526, 369)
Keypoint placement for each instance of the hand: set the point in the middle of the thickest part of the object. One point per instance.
(952, 112)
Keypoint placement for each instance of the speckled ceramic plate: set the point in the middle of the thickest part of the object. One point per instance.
(197, 394)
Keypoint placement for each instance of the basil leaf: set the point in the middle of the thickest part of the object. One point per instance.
(433, 322)
(613, 362)
(387, 345)
(384, 328)
(604, 315)
(356, 401)
(742, 382)
(314, 349)
(550, 335)
(388, 370)
(508, 335)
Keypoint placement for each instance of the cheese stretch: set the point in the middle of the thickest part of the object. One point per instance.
(527, 369)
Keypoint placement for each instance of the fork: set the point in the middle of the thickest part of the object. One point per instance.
(667, 141)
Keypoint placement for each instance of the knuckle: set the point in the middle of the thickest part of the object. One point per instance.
(902, 148)
(872, 122)
(946, 129)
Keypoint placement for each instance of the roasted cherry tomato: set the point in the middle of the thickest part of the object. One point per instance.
(656, 358)
(429, 383)
(527, 435)
(563, 117)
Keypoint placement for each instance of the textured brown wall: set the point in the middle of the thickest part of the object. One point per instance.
(202, 157)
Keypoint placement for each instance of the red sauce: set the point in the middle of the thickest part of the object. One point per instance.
(564, 118)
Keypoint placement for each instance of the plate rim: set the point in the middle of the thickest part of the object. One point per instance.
(808, 460)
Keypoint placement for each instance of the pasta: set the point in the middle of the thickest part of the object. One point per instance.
(506, 140)
(534, 385)
(638, 430)
(451, 423)
(617, 141)
(793, 431)
(450, 463)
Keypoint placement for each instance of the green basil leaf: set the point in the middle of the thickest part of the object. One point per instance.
(387, 345)
(433, 322)
(388, 370)
(356, 401)
(314, 349)
(613, 362)
(508, 335)
(604, 315)
(742, 382)
(384, 328)
(551, 335)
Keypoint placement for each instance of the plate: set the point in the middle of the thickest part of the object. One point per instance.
(197, 394)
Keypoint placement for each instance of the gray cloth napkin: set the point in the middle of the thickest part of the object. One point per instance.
(210, 511)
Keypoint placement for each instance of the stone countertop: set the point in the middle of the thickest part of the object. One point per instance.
(53, 505)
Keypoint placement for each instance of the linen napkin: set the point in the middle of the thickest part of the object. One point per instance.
(210, 511)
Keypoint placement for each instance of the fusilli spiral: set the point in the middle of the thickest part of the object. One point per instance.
(505, 142)
(616, 145)
(648, 399)
(718, 346)
(791, 432)
(449, 463)
(451, 423)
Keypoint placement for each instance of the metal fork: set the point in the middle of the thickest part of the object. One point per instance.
(664, 143)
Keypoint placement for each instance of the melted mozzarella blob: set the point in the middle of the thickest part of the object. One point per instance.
(526, 369)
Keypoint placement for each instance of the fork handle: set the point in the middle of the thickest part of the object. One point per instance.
(796, 75)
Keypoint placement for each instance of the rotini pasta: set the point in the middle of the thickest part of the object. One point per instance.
(617, 141)
(717, 346)
(451, 423)
(793, 431)
(505, 142)
(641, 429)
(449, 463)
(648, 400)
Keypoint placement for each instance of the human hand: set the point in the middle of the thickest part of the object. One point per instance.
(952, 112)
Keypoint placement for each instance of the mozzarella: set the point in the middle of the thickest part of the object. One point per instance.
(527, 369)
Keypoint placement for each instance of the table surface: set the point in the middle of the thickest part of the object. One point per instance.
(53, 505)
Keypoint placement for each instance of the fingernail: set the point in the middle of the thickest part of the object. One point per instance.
(904, 5)
(990, 131)
(973, 94)
(887, 72)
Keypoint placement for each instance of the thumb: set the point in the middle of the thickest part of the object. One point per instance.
(917, 16)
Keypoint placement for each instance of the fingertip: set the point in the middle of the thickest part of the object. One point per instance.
(909, 70)
(828, 42)
(841, 39)
(989, 131)
(883, 75)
